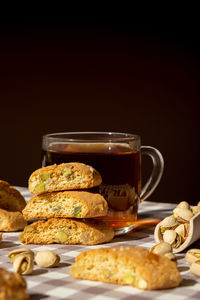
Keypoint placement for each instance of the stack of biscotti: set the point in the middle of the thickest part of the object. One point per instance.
(69, 211)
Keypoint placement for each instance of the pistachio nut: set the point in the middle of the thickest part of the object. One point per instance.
(77, 210)
(196, 209)
(169, 236)
(183, 215)
(40, 187)
(168, 222)
(47, 259)
(62, 236)
(161, 248)
(130, 278)
(45, 176)
(23, 263)
(67, 172)
(178, 241)
(171, 256)
(183, 204)
(195, 268)
(16, 252)
(192, 255)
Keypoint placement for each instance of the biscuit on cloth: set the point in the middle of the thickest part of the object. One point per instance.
(11, 221)
(66, 204)
(10, 198)
(12, 286)
(66, 176)
(127, 265)
(67, 231)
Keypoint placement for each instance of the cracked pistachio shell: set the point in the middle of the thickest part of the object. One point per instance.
(198, 204)
(16, 252)
(183, 204)
(183, 213)
(168, 222)
(171, 256)
(181, 230)
(195, 268)
(161, 248)
(196, 209)
(192, 255)
(23, 263)
(169, 236)
(47, 259)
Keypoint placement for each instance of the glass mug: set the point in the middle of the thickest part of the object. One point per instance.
(117, 157)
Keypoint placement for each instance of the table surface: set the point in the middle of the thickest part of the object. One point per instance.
(56, 283)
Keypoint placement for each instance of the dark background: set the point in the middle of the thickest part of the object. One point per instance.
(125, 73)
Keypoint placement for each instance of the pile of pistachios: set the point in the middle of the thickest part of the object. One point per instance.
(175, 228)
(23, 260)
(193, 258)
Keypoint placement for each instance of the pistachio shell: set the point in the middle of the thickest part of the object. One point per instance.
(168, 222)
(169, 236)
(195, 268)
(182, 214)
(192, 255)
(23, 263)
(18, 251)
(161, 248)
(183, 204)
(171, 256)
(47, 259)
(181, 230)
(196, 209)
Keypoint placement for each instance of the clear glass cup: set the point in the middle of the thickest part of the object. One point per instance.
(117, 157)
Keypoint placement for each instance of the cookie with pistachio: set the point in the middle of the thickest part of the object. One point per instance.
(67, 176)
(128, 265)
(67, 231)
(10, 197)
(66, 204)
(11, 221)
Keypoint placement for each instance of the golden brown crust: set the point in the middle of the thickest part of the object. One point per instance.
(10, 198)
(67, 176)
(12, 286)
(67, 231)
(66, 204)
(127, 265)
(11, 221)
(0, 236)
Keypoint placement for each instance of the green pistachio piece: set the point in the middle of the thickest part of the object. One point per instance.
(44, 176)
(197, 255)
(62, 236)
(130, 279)
(40, 187)
(12, 257)
(56, 208)
(23, 267)
(162, 229)
(77, 210)
(106, 273)
(67, 172)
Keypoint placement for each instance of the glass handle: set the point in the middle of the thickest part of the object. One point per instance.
(158, 167)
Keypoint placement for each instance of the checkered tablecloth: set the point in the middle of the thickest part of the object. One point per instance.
(56, 283)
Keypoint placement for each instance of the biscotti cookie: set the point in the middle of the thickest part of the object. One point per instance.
(10, 198)
(69, 204)
(67, 231)
(12, 286)
(11, 221)
(66, 176)
(127, 265)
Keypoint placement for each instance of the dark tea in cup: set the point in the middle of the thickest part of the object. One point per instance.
(116, 156)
